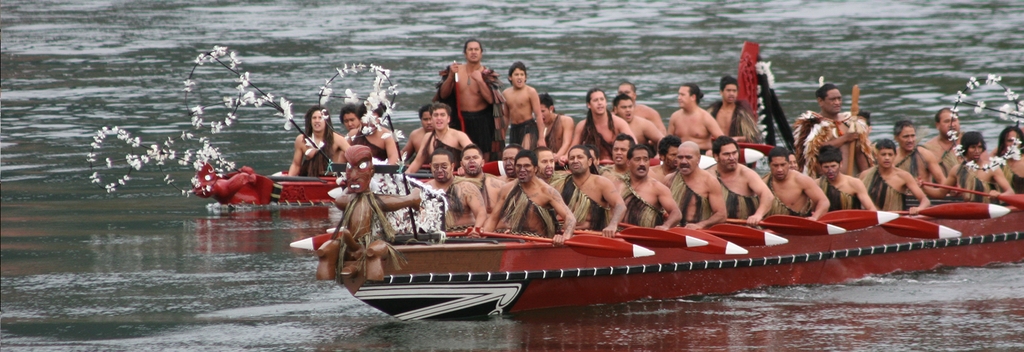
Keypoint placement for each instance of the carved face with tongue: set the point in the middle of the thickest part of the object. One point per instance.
(360, 168)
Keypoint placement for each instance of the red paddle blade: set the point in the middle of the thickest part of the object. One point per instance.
(659, 239)
(1016, 200)
(312, 243)
(797, 226)
(715, 245)
(857, 219)
(745, 236)
(496, 168)
(598, 246)
(965, 211)
(917, 228)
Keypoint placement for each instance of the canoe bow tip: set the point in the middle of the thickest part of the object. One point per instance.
(834, 230)
(945, 232)
(639, 251)
(733, 249)
(336, 192)
(305, 243)
(996, 210)
(695, 242)
(771, 239)
(884, 217)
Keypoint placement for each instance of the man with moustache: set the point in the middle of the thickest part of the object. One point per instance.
(667, 151)
(915, 159)
(557, 130)
(746, 196)
(641, 110)
(942, 145)
(734, 116)
(887, 185)
(832, 127)
(697, 192)
(795, 193)
(488, 185)
(647, 200)
(690, 122)
(843, 192)
(465, 203)
(530, 205)
(974, 178)
(644, 131)
(623, 143)
(411, 148)
(442, 137)
(546, 161)
(593, 199)
(475, 97)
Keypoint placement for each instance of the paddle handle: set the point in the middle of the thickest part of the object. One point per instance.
(854, 110)
(952, 188)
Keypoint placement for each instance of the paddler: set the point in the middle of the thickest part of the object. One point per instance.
(969, 174)
(691, 122)
(475, 97)
(920, 162)
(832, 127)
(465, 203)
(735, 116)
(311, 158)
(488, 185)
(546, 161)
(599, 128)
(522, 110)
(442, 137)
(668, 149)
(887, 185)
(557, 130)
(641, 110)
(1013, 171)
(593, 200)
(530, 205)
(416, 137)
(508, 160)
(619, 168)
(648, 202)
(644, 131)
(942, 145)
(843, 192)
(697, 193)
(795, 193)
(746, 196)
(380, 140)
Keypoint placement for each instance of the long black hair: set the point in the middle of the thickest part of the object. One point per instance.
(1001, 149)
(318, 164)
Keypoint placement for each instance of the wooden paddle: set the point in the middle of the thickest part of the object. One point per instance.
(854, 110)
(964, 211)
(745, 236)
(649, 237)
(917, 228)
(715, 245)
(1016, 200)
(795, 225)
(855, 219)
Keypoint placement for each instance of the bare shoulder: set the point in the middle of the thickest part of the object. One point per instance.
(660, 188)
(928, 155)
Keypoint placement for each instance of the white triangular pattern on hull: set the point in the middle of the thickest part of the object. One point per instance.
(462, 297)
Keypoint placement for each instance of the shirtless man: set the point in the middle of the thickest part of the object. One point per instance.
(416, 137)
(620, 148)
(647, 200)
(793, 164)
(591, 198)
(793, 190)
(667, 151)
(644, 131)
(746, 196)
(735, 117)
(975, 178)
(441, 137)
(474, 96)
(915, 159)
(887, 185)
(312, 159)
(600, 127)
(508, 161)
(843, 192)
(528, 204)
(546, 167)
(522, 109)
(487, 184)
(557, 130)
(697, 192)
(690, 122)
(465, 203)
(642, 110)
(942, 145)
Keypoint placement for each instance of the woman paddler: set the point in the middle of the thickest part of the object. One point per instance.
(381, 147)
(313, 156)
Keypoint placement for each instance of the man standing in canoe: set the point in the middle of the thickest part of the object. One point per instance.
(795, 193)
(690, 122)
(942, 145)
(487, 184)
(557, 130)
(746, 196)
(734, 116)
(530, 205)
(832, 127)
(593, 199)
(697, 192)
(969, 174)
(522, 109)
(843, 192)
(442, 137)
(465, 204)
(647, 200)
(644, 131)
(667, 151)
(641, 110)
(473, 98)
(888, 185)
(599, 128)
(915, 159)
(620, 148)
